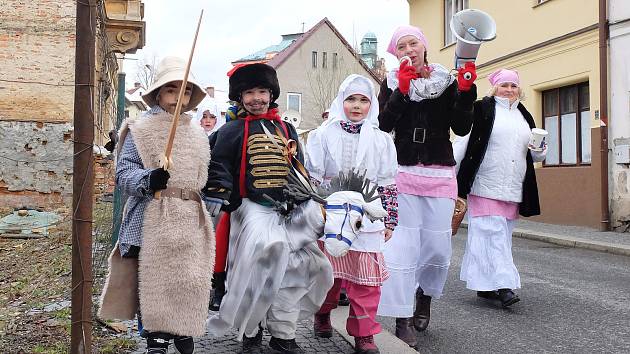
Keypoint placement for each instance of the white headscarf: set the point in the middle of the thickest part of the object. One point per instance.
(213, 108)
(354, 84)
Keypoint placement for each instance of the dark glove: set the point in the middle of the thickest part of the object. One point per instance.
(466, 76)
(406, 73)
(158, 179)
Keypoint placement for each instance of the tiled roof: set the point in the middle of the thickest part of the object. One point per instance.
(278, 59)
(267, 53)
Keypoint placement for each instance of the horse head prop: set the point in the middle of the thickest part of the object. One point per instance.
(350, 198)
(347, 201)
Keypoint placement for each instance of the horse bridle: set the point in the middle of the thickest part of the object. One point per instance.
(347, 207)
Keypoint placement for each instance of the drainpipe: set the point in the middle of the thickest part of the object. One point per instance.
(118, 203)
(603, 114)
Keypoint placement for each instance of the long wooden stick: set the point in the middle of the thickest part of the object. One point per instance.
(166, 162)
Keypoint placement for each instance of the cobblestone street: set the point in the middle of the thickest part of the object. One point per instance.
(305, 338)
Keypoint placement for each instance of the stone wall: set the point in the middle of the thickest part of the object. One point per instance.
(37, 45)
(35, 163)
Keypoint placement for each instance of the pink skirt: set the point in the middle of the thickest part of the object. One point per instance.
(364, 268)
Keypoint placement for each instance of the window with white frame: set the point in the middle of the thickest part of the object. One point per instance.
(324, 60)
(451, 7)
(294, 101)
(567, 118)
(314, 59)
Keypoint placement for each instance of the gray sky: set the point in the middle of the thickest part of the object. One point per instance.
(234, 29)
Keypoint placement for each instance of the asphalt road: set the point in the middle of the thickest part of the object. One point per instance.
(572, 301)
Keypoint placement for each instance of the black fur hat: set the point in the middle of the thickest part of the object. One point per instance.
(251, 76)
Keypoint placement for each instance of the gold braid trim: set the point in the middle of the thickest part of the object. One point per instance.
(263, 171)
(269, 183)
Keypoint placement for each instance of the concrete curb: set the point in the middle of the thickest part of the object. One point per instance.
(387, 343)
(568, 241)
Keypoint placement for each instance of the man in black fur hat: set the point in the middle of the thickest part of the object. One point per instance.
(276, 272)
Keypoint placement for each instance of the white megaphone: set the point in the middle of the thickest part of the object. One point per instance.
(471, 28)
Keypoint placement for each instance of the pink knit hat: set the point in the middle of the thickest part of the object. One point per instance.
(504, 75)
(406, 31)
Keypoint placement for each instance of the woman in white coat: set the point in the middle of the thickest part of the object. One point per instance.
(497, 177)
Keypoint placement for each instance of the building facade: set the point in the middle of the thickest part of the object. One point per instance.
(310, 67)
(554, 45)
(37, 92)
(619, 28)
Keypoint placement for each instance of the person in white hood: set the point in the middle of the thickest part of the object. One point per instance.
(350, 139)
(208, 117)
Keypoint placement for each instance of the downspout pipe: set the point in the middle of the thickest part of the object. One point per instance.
(603, 114)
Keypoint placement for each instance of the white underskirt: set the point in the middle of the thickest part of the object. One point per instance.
(488, 263)
(418, 254)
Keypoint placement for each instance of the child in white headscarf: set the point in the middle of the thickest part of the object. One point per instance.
(208, 116)
(351, 139)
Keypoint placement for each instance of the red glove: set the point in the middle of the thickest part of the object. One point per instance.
(406, 73)
(466, 76)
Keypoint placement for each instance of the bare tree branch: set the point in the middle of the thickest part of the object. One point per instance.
(147, 67)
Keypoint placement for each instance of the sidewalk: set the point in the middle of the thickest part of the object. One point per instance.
(573, 236)
(340, 342)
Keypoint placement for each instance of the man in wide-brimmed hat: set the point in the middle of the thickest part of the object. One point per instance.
(165, 250)
(276, 273)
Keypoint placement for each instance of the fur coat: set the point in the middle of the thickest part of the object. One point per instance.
(170, 281)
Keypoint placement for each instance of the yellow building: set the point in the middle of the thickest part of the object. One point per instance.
(554, 45)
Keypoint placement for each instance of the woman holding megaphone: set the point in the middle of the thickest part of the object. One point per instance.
(420, 103)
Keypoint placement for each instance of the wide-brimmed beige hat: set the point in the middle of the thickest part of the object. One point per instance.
(173, 69)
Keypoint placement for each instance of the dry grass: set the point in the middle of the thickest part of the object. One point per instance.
(36, 273)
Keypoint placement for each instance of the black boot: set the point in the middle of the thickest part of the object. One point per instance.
(218, 284)
(507, 297)
(253, 345)
(488, 295)
(343, 298)
(157, 342)
(287, 346)
(185, 345)
(405, 331)
(422, 314)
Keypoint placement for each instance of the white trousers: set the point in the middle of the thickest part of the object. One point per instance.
(418, 254)
(488, 263)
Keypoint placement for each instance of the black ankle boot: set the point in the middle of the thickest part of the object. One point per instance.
(253, 345)
(507, 297)
(218, 284)
(158, 342)
(405, 331)
(287, 346)
(185, 345)
(422, 314)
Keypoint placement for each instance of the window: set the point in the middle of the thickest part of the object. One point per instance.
(567, 118)
(334, 60)
(451, 7)
(324, 59)
(314, 59)
(294, 101)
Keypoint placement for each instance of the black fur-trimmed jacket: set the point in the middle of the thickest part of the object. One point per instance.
(483, 122)
(422, 129)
